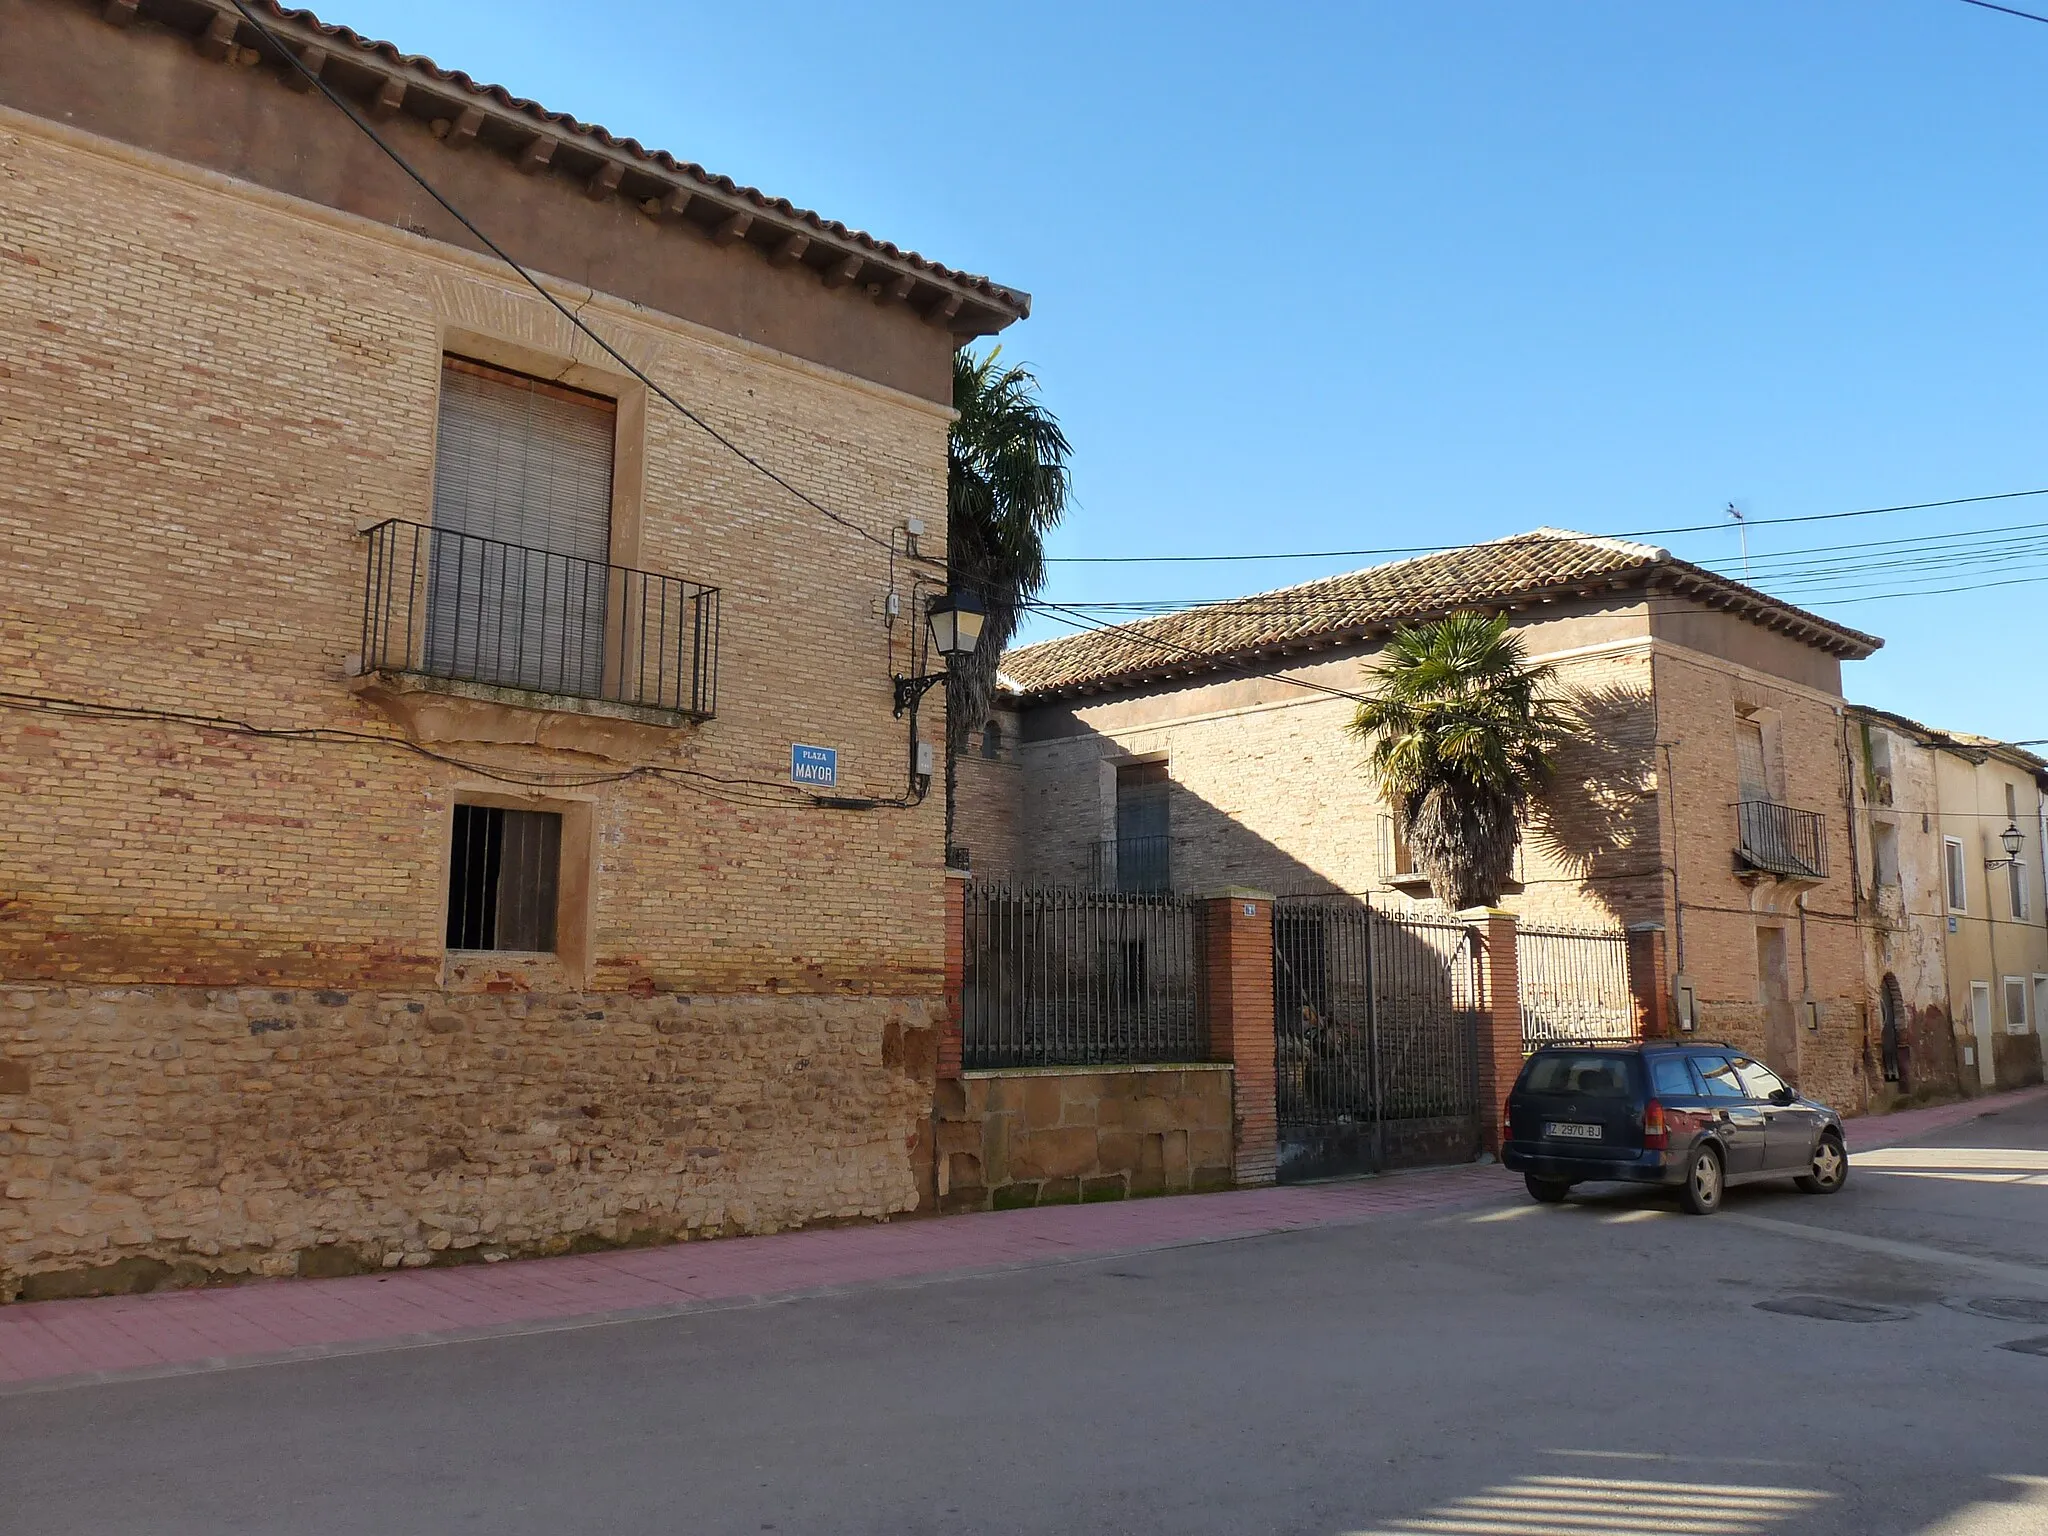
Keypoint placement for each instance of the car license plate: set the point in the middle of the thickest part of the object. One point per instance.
(1571, 1130)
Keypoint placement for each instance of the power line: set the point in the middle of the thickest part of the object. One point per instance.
(1986, 5)
(1640, 533)
(574, 317)
(754, 793)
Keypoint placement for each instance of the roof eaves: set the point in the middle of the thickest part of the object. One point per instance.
(667, 188)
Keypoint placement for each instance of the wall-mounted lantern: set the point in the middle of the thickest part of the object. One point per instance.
(953, 623)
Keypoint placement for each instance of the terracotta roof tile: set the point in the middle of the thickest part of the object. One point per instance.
(1358, 604)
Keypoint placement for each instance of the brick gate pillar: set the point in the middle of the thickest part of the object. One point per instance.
(1237, 993)
(956, 974)
(1500, 1020)
(1649, 989)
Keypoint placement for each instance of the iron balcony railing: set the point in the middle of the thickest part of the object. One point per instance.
(1780, 840)
(1142, 864)
(438, 603)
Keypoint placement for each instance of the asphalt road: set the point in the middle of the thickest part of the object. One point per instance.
(1589, 1370)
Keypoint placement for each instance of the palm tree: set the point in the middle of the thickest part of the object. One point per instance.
(1006, 488)
(1461, 730)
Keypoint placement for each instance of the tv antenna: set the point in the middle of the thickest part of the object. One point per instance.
(1742, 528)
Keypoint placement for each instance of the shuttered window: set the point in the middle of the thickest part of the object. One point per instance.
(1749, 760)
(518, 583)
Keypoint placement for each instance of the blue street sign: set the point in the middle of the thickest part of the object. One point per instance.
(815, 766)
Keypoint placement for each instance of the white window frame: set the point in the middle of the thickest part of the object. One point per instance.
(1955, 875)
(2017, 894)
(2015, 984)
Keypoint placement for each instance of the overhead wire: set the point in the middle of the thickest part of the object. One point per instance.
(573, 316)
(764, 794)
(1562, 537)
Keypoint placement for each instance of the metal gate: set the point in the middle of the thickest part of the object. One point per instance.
(1376, 1026)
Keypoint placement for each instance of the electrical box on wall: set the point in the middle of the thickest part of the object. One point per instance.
(1809, 1010)
(924, 759)
(1686, 1003)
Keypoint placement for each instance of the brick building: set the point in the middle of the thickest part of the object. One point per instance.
(403, 857)
(1208, 748)
(1956, 939)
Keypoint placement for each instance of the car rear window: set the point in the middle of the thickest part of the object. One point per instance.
(1671, 1075)
(1589, 1074)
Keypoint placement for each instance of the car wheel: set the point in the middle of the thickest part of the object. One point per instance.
(1549, 1191)
(1703, 1182)
(1829, 1170)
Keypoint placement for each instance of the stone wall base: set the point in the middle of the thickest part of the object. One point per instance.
(180, 1135)
(1058, 1135)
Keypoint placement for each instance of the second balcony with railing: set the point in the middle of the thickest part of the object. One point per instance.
(484, 613)
(1774, 839)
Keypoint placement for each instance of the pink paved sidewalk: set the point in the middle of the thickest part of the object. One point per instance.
(47, 1343)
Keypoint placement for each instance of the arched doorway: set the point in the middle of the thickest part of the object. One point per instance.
(1897, 1043)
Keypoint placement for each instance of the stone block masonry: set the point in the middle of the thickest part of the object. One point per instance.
(1053, 1135)
(174, 1134)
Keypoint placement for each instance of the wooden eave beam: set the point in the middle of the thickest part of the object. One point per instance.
(606, 181)
(119, 13)
(790, 249)
(218, 40)
(389, 100)
(945, 309)
(733, 226)
(312, 63)
(844, 271)
(537, 155)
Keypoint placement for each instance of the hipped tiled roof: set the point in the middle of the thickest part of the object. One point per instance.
(1546, 565)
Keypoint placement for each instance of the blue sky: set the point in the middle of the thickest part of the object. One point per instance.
(1314, 277)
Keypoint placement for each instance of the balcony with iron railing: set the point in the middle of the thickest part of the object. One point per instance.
(489, 615)
(1132, 864)
(1778, 840)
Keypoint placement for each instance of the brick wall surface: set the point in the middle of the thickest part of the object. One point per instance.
(208, 388)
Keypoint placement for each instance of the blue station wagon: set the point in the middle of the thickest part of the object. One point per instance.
(1695, 1118)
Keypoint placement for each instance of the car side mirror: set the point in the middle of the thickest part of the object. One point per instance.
(1781, 1096)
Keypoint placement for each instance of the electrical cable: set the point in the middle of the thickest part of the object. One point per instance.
(916, 794)
(1641, 533)
(766, 794)
(1986, 5)
(574, 317)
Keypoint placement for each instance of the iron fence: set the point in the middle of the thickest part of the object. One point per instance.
(1781, 840)
(1376, 1026)
(1132, 864)
(1573, 984)
(439, 603)
(1064, 977)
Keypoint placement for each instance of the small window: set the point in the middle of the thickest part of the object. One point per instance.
(992, 740)
(1952, 853)
(1672, 1077)
(2015, 1005)
(504, 877)
(2012, 804)
(2016, 889)
(1396, 858)
(1884, 853)
(1718, 1073)
(1758, 1080)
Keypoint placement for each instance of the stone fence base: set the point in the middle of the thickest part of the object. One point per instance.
(172, 1135)
(1052, 1135)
